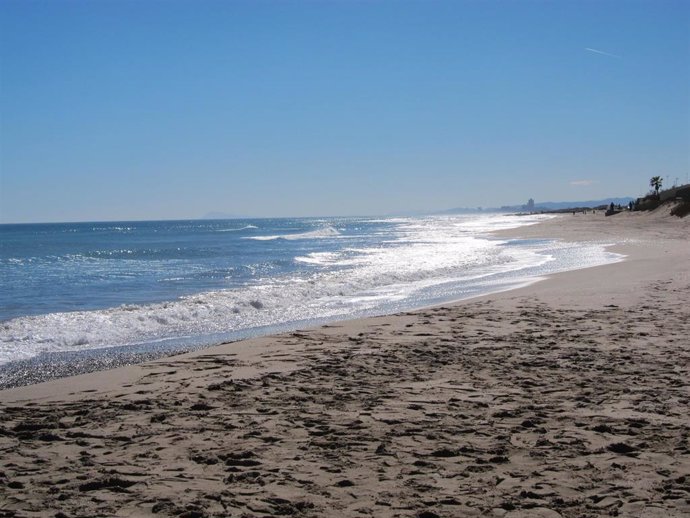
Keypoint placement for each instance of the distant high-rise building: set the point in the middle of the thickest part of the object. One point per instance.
(530, 204)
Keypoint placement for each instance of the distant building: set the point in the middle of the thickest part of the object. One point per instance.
(530, 205)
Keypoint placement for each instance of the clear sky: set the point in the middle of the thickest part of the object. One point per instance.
(153, 109)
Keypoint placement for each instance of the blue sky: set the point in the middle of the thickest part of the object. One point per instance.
(169, 109)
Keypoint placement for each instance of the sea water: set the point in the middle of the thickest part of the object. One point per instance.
(86, 286)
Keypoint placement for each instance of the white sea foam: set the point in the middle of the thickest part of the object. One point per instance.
(422, 261)
(112, 229)
(321, 233)
(319, 258)
(246, 227)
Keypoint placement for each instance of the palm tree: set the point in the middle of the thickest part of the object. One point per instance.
(655, 183)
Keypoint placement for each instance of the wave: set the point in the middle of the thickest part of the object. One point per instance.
(246, 227)
(319, 258)
(321, 233)
(384, 281)
(411, 265)
(110, 228)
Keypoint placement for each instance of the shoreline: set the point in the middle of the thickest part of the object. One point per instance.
(55, 366)
(566, 397)
(50, 366)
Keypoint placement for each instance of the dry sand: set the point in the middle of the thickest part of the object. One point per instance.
(566, 398)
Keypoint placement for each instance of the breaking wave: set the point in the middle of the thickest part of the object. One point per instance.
(322, 233)
(387, 267)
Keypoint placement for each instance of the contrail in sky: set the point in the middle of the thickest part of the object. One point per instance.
(602, 52)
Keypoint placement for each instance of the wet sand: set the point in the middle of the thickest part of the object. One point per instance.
(569, 397)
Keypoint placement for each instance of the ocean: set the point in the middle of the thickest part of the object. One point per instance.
(174, 285)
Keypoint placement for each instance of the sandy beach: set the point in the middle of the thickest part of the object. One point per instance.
(568, 397)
